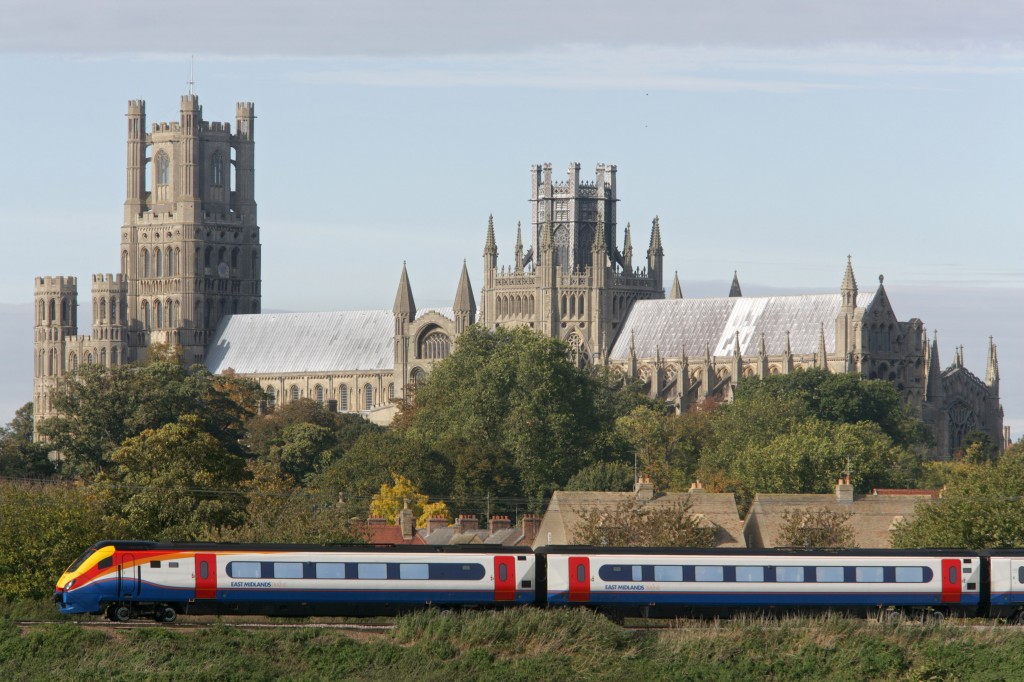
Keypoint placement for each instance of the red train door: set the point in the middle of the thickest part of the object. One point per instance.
(950, 581)
(504, 578)
(206, 576)
(579, 578)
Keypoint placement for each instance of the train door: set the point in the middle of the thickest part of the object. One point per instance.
(951, 581)
(206, 576)
(128, 578)
(1016, 579)
(504, 578)
(579, 579)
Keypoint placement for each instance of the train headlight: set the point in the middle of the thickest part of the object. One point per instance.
(71, 583)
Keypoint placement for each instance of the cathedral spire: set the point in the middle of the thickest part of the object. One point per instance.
(656, 256)
(627, 251)
(762, 358)
(465, 302)
(490, 246)
(933, 380)
(849, 286)
(822, 353)
(992, 370)
(519, 247)
(677, 291)
(734, 291)
(404, 305)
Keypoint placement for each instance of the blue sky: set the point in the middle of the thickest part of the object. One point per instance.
(772, 138)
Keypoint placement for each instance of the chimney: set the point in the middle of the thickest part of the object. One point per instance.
(466, 523)
(496, 523)
(696, 487)
(436, 523)
(531, 524)
(407, 522)
(644, 489)
(844, 491)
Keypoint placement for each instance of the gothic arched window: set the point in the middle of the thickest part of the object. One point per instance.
(145, 262)
(103, 357)
(561, 244)
(158, 313)
(319, 394)
(163, 175)
(113, 309)
(53, 310)
(171, 313)
(271, 396)
(343, 397)
(159, 257)
(368, 397)
(217, 166)
(434, 345)
(295, 393)
(170, 262)
(145, 315)
(113, 357)
(103, 309)
(961, 422)
(391, 393)
(578, 349)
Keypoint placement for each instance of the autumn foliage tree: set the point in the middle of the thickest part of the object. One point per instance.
(816, 528)
(634, 523)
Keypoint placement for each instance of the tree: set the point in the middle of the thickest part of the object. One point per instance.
(392, 499)
(510, 413)
(613, 477)
(20, 457)
(176, 482)
(633, 523)
(44, 526)
(981, 507)
(100, 407)
(668, 446)
(816, 528)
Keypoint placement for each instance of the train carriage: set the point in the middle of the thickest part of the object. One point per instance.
(128, 579)
(1006, 580)
(665, 582)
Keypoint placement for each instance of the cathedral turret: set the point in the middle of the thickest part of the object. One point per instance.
(933, 379)
(405, 312)
(465, 303)
(762, 359)
(56, 321)
(677, 291)
(490, 246)
(734, 290)
(992, 370)
(847, 311)
(519, 247)
(787, 357)
(655, 255)
(627, 251)
(404, 306)
(243, 139)
(136, 167)
(821, 362)
(737, 360)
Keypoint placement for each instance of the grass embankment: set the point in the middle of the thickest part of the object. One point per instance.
(524, 644)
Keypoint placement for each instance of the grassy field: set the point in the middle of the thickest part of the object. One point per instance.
(524, 644)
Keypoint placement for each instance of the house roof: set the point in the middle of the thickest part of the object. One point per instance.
(690, 325)
(872, 517)
(390, 535)
(558, 527)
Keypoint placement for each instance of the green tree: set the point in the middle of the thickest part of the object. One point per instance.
(633, 523)
(816, 528)
(100, 407)
(510, 413)
(176, 482)
(981, 507)
(668, 446)
(613, 477)
(20, 457)
(44, 526)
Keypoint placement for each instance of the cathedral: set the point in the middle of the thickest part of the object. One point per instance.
(190, 278)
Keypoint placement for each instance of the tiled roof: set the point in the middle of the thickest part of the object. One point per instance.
(690, 325)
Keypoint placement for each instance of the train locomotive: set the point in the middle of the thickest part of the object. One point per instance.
(131, 579)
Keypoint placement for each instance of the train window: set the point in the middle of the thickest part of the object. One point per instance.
(372, 571)
(420, 572)
(638, 573)
(909, 574)
(668, 574)
(204, 570)
(106, 563)
(952, 575)
(870, 574)
(789, 574)
(244, 569)
(502, 572)
(709, 574)
(829, 574)
(154, 564)
(330, 571)
(581, 572)
(80, 560)
(1020, 575)
(287, 569)
(172, 564)
(749, 574)
(457, 572)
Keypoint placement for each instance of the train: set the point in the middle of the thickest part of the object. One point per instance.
(144, 579)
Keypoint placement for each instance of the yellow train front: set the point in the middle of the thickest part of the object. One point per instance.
(129, 579)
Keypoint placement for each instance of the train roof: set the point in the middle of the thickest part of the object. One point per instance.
(742, 552)
(149, 545)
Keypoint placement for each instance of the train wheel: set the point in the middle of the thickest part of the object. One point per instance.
(166, 614)
(122, 613)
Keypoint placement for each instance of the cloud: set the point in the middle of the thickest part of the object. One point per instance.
(413, 27)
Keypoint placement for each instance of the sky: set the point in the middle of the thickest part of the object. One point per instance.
(771, 138)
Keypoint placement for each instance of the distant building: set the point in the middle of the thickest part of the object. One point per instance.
(190, 278)
(560, 524)
(872, 517)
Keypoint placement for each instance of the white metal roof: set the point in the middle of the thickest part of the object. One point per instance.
(675, 326)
